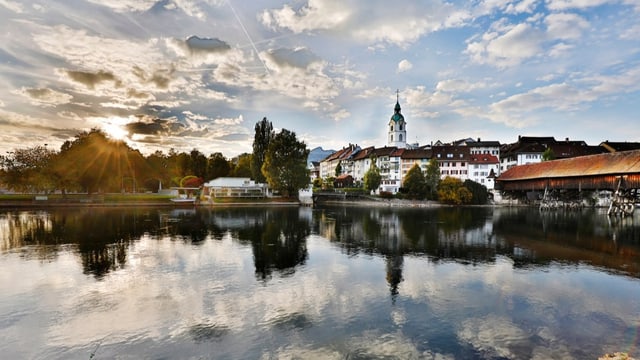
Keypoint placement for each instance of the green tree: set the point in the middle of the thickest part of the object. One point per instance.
(217, 166)
(339, 169)
(198, 164)
(263, 136)
(414, 183)
(242, 166)
(548, 154)
(479, 193)
(285, 163)
(372, 177)
(432, 179)
(28, 169)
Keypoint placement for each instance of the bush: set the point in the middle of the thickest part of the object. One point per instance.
(386, 195)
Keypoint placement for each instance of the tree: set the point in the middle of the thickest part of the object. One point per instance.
(285, 163)
(372, 177)
(242, 167)
(93, 162)
(339, 169)
(198, 164)
(548, 154)
(414, 183)
(28, 169)
(432, 179)
(217, 166)
(452, 191)
(479, 193)
(263, 136)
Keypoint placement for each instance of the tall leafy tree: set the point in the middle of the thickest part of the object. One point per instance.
(414, 183)
(217, 166)
(263, 136)
(198, 163)
(242, 166)
(372, 178)
(432, 179)
(285, 163)
(339, 169)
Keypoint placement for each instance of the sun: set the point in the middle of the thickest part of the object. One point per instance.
(114, 128)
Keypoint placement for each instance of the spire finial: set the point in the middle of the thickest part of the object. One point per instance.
(397, 95)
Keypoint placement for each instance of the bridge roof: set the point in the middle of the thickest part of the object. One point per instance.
(624, 162)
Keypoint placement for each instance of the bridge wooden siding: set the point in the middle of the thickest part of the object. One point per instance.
(592, 172)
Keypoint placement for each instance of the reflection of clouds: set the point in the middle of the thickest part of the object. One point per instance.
(541, 312)
(494, 336)
(174, 294)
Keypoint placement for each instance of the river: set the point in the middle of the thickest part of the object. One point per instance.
(326, 283)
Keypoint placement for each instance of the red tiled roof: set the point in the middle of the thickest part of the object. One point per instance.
(601, 164)
(483, 159)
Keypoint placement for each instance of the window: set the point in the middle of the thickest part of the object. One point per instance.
(449, 156)
(400, 130)
(391, 127)
(400, 134)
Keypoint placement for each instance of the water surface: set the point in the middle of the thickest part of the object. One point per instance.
(330, 283)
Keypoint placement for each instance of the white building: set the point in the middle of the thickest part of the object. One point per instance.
(483, 169)
(233, 187)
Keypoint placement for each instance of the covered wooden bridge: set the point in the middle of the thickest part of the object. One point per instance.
(618, 172)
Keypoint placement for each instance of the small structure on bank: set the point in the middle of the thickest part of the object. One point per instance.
(233, 187)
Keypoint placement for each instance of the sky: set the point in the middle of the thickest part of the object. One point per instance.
(199, 74)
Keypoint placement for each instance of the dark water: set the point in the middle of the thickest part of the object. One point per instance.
(328, 283)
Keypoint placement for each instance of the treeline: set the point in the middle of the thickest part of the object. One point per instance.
(94, 163)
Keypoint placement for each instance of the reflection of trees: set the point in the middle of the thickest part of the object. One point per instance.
(278, 238)
(102, 235)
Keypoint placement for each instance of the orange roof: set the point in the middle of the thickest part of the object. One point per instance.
(624, 162)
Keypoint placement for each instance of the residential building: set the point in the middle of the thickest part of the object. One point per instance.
(453, 160)
(483, 169)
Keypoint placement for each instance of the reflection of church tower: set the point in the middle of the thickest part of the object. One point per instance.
(397, 127)
(394, 264)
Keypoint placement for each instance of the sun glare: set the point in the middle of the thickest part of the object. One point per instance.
(114, 128)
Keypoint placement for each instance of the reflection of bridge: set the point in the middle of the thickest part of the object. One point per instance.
(618, 172)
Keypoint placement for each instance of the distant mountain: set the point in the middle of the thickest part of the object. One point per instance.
(318, 154)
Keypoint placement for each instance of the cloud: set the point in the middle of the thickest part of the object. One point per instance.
(373, 22)
(404, 65)
(126, 5)
(91, 79)
(458, 85)
(574, 4)
(45, 96)
(565, 26)
(12, 5)
(507, 46)
(316, 15)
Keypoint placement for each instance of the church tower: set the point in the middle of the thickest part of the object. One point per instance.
(397, 128)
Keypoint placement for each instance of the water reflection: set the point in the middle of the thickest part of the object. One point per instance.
(332, 282)
(277, 236)
(480, 235)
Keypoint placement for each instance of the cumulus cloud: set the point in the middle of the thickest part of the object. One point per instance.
(574, 4)
(316, 15)
(371, 22)
(45, 96)
(506, 47)
(404, 65)
(565, 25)
(126, 5)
